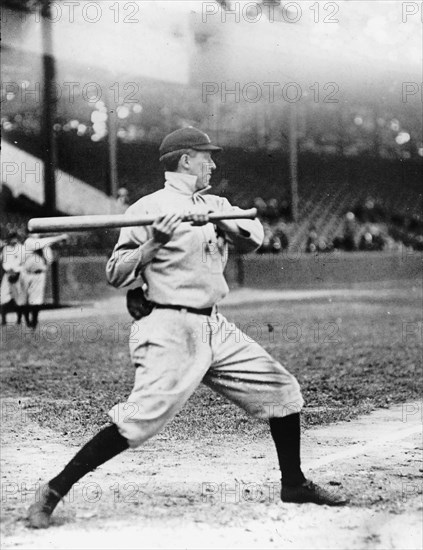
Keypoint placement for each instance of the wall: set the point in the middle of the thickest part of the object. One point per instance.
(328, 270)
(83, 279)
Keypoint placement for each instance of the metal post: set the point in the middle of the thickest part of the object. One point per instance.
(293, 160)
(55, 287)
(376, 136)
(48, 137)
(49, 110)
(240, 270)
(112, 126)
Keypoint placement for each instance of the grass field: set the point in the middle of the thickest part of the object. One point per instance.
(349, 355)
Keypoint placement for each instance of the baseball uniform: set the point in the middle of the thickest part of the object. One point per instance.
(38, 256)
(173, 350)
(12, 263)
(185, 339)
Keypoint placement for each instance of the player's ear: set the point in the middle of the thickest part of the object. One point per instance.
(184, 160)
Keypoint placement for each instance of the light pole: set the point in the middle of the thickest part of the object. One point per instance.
(112, 143)
(49, 111)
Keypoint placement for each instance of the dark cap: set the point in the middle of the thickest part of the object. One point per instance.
(186, 138)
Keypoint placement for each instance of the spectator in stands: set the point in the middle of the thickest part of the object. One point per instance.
(348, 241)
(324, 245)
(315, 243)
(275, 230)
(369, 212)
(350, 232)
(261, 206)
(285, 209)
(272, 210)
(312, 244)
(372, 239)
(280, 239)
(275, 238)
(266, 245)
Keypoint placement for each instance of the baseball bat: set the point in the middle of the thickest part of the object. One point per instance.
(85, 223)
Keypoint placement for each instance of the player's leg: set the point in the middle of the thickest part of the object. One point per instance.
(26, 312)
(245, 373)
(23, 311)
(101, 448)
(171, 359)
(4, 311)
(35, 296)
(5, 298)
(19, 314)
(20, 296)
(170, 363)
(34, 318)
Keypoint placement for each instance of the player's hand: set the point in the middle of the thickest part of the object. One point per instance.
(164, 227)
(198, 216)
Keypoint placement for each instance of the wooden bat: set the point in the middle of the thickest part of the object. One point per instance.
(85, 223)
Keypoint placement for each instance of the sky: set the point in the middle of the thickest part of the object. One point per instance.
(359, 39)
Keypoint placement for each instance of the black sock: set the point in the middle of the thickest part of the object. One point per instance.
(101, 448)
(286, 433)
(34, 321)
(25, 312)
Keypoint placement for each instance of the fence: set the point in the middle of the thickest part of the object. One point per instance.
(83, 278)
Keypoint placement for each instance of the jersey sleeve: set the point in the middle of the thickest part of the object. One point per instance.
(133, 252)
(246, 235)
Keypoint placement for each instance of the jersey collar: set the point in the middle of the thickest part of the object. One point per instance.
(183, 183)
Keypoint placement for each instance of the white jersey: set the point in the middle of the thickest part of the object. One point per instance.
(188, 270)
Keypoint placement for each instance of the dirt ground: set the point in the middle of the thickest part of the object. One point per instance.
(222, 493)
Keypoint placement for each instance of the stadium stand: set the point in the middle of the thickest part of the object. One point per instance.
(393, 203)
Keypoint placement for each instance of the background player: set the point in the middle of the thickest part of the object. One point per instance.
(11, 292)
(38, 255)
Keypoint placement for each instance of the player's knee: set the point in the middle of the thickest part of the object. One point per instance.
(140, 420)
(288, 400)
(137, 433)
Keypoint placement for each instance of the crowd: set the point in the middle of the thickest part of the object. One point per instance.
(355, 236)
(365, 237)
(366, 227)
(272, 215)
(370, 227)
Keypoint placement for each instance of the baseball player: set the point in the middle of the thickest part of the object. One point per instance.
(38, 255)
(11, 291)
(185, 340)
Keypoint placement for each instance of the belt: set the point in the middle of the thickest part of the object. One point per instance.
(205, 311)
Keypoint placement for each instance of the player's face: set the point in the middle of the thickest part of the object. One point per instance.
(201, 165)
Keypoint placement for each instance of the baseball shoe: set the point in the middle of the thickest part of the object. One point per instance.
(310, 492)
(46, 500)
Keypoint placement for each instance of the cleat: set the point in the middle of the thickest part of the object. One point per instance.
(310, 492)
(46, 500)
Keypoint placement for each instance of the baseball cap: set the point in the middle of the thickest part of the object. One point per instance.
(186, 138)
